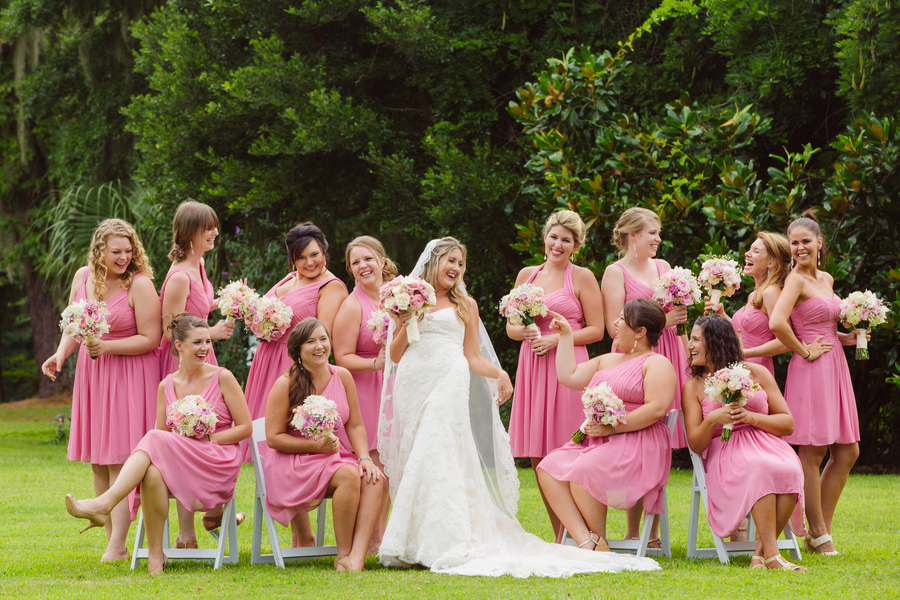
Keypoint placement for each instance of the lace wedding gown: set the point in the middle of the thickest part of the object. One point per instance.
(444, 516)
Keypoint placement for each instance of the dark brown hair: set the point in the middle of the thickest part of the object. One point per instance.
(191, 218)
(722, 345)
(388, 272)
(810, 221)
(643, 312)
(180, 327)
(299, 237)
(301, 383)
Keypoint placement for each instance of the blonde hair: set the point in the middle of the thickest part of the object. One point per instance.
(571, 221)
(388, 271)
(139, 261)
(190, 218)
(633, 220)
(456, 293)
(778, 248)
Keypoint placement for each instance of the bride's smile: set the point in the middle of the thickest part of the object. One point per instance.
(452, 267)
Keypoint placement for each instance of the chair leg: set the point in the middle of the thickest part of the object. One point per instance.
(256, 542)
(233, 535)
(138, 541)
(228, 517)
(665, 540)
(321, 516)
(694, 521)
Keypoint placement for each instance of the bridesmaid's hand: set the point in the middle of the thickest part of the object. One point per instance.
(329, 444)
(849, 339)
(717, 308)
(52, 365)
(817, 349)
(720, 416)
(379, 360)
(559, 323)
(529, 335)
(221, 330)
(368, 470)
(504, 388)
(95, 348)
(742, 415)
(597, 430)
(676, 316)
(545, 344)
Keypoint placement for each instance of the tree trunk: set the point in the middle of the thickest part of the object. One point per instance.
(44, 329)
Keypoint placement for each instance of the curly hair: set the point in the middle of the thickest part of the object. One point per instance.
(457, 293)
(190, 219)
(722, 345)
(388, 272)
(777, 248)
(180, 328)
(633, 220)
(301, 382)
(643, 312)
(139, 261)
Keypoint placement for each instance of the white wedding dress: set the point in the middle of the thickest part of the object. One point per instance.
(444, 513)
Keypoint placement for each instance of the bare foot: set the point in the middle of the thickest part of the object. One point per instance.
(373, 548)
(345, 564)
(112, 555)
(156, 565)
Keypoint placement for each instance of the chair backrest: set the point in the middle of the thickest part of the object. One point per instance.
(258, 437)
(672, 421)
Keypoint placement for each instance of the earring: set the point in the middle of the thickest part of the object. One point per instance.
(634, 347)
(545, 256)
(792, 263)
(192, 247)
(818, 257)
(179, 360)
(300, 364)
(635, 249)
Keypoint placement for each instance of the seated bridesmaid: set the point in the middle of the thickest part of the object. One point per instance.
(301, 472)
(755, 471)
(622, 466)
(200, 473)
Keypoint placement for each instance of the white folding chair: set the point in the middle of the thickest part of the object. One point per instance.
(279, 555)
(639, 546)
(724, 549)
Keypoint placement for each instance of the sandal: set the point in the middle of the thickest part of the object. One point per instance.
(655, 543)
(601, 545)
(787, 566)
(761, 564)
(590, 540)
(812, 544)
(191, 545)
(212, 524)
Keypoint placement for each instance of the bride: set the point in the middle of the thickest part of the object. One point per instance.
(453, 481)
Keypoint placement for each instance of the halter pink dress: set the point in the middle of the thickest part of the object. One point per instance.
(368, 385)
(750, 465)
(754, 327)
(296, 483)
(669, 345)
(618, 470)
(199, 473)
(544, 411)
(820, 392)
(114, 396)
(198, 303)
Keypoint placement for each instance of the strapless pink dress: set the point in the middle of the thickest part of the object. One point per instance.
(197, 304)
(619, 470)
(754, 327)
(368, 385)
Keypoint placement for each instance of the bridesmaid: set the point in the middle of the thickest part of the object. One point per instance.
(819, 391)
(311, 290)
(544, 411)
(112, 399)
(199, 473)
(356, 351)
(624, 466)
(300, 472)
(755, 471)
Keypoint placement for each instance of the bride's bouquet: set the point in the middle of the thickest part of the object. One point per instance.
(677, 286)
(378, 323)
(731, 385)
(720, 276)
(863, 310)
(523, 305)
(408, 293)
(85, 320)
(191, 417)
(269, 318)
(316, 418)
(236, 300)
(601, 405)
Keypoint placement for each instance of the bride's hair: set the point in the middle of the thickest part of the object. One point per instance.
(301, 383)
(457, 293)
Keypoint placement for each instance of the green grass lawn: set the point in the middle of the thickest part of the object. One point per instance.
(43, 556)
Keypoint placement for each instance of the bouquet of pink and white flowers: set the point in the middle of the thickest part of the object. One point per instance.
(408, 293)
(236, 300)
(677, 286)
(317, 417)
(378, 323)
(720, 276)
(191, 417)
(863, 310)
(601, 405)
(85, 320)
(269, 318)
(523, 305)
(731, 385)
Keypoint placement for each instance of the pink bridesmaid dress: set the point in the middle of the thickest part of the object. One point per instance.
(618, 470)
(544, 411)
(114, 396)
(820, 392)
(750, 465)
(296, 483)
(754, 327)
(199, 473)
(669, 346)
(198, 303)
(368, 385)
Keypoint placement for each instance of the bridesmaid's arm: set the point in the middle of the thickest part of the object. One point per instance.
(568, 372)
(517, 332)
(142, 297)
(700, 430)
(779, 421)
(346, 337)
(278, 415)
(400, 342)
(331, 296)
(780, 317)
(588, 292)
(67, 343)
(237, 406)
(177, 289)
(477, 363)
(161, 406)
(356, 430)
(613, 290)
(659, 392)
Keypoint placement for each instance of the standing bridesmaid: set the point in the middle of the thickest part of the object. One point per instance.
(545, 412)
(311, 290)
(818, 391)
(115, 387)
(356, 351)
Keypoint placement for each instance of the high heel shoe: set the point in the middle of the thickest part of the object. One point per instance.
(95, 519)
(812, 544)
(590, 540)
(212, 524)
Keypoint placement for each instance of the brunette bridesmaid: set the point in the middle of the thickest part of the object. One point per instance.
(116, 376)
(356, 350)
(544, 411)
(818, 391)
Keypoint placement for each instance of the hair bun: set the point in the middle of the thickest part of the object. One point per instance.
(810, 214)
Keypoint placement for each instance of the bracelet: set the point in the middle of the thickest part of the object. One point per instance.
(614, 432)
(808, 354)
(373, 363)
(364, 457)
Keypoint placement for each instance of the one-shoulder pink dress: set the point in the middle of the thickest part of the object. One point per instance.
(618, 470)
(669, 345)
(368, 385)
(114, 396)
(296, 483)
(544, 411)
(820, 392)
(754, 327)
(749, 466)
(199, 473)
(198, 303)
